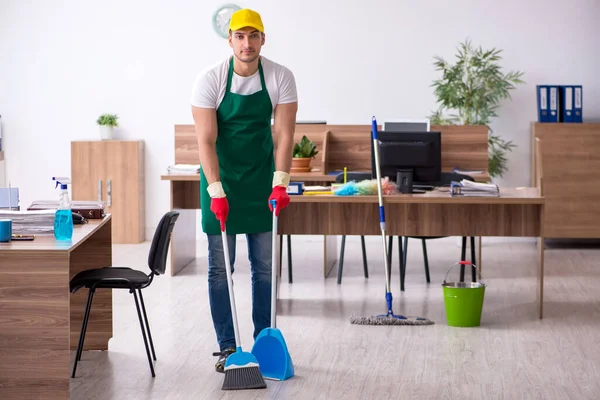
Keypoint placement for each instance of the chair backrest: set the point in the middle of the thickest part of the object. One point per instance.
(157, 258)
(449, 177)
(352, 176)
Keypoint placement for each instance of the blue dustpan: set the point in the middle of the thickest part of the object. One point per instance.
(270, 349)
(271, 352)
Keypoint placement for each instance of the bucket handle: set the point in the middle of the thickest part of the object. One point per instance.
(464, 263)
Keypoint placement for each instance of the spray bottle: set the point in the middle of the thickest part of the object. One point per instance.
(63, 219)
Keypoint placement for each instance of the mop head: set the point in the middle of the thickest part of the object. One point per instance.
(390, 320)
(368, 187)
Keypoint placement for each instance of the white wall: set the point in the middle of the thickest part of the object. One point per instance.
(63, 63)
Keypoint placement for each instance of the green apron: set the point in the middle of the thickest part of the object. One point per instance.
(246, 162)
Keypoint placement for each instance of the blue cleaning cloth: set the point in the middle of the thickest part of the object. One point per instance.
(347, 189)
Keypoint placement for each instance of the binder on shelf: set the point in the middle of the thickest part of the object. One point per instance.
(547, 103)
(578, 104)
(566, 104)
(570, 103)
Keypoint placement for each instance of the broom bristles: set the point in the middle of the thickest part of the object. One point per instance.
(387, 320)
(246, 377)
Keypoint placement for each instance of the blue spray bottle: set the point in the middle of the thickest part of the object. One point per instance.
(63, 219)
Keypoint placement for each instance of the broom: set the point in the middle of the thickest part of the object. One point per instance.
(389, 318)
(241, 368)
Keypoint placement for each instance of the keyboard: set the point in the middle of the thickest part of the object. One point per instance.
(423, 187)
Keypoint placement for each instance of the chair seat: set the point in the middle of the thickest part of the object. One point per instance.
(110, 277)
(427, 237)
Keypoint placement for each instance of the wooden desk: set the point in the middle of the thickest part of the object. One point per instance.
(517, 212)
(339, 146)
(40, 320)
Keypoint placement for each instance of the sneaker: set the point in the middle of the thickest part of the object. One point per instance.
(220, 365)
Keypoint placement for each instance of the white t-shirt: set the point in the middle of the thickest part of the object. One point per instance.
(210, 85)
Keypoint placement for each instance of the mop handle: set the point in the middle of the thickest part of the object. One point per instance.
(378, 172)
(230, 287)
(274, 269)
(380, 198)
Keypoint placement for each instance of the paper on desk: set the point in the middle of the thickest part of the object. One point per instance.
(30, 222)
(317, 188)
(184, 169)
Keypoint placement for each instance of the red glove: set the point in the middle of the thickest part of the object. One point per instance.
(220, 207)
(282, 199)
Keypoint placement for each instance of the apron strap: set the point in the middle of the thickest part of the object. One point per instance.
(262, 76)
(229, 76)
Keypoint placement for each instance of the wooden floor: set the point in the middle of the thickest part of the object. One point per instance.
(512, 355)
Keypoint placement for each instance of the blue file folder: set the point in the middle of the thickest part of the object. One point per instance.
(570, 103)
(566, 104)
(578, 103)
(547, 103)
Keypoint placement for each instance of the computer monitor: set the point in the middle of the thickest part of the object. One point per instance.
(409, 158)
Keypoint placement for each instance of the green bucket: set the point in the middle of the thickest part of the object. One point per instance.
(463, 300)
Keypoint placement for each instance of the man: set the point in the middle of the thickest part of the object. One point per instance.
(244, 164)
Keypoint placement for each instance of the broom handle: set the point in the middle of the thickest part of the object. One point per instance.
(274, 269)
(381, 211)
(230, 287)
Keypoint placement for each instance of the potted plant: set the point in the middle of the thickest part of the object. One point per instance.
(473, 88)
(304, 152)
(107, 123)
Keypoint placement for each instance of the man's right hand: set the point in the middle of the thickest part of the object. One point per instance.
(220, 207)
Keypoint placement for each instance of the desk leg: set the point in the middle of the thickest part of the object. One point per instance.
(185, 199)
(479, 258)
(183, 241)
(329, 254)
(541, 245)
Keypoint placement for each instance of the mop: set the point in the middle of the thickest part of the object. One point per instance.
(389, 318)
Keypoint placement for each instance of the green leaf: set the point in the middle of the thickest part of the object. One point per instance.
(108, 119)
(471, 90)
(305, 149)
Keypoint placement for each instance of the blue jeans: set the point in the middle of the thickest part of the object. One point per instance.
(259, 254)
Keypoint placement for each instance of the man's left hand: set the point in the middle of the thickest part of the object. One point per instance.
(282, 199)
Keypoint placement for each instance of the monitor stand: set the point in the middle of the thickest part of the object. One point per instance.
(404, 180)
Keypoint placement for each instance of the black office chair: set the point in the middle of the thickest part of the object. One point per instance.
(127, 278)
(446, 179)
(352, 176)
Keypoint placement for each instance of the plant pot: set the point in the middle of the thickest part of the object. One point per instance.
(301, 165)
(106, 132)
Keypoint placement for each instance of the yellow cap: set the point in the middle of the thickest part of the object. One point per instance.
(244, 18)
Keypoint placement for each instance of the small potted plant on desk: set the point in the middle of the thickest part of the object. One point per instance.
(107, 123)
(304, 152)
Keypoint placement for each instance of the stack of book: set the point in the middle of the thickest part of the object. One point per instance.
(474, 189)
(30, 222)
(184, 169)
